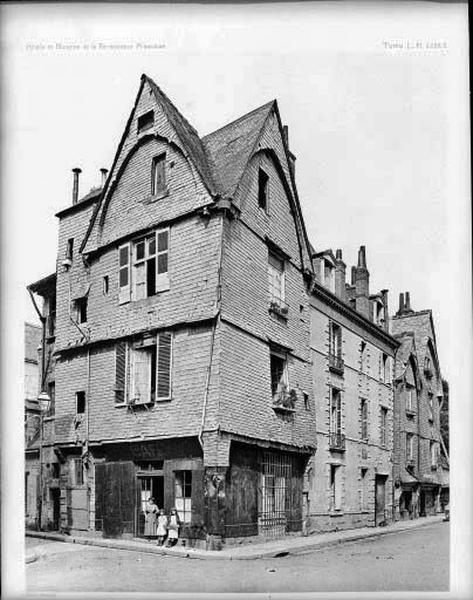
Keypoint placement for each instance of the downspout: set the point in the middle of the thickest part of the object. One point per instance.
(212, 342)
(86, 441)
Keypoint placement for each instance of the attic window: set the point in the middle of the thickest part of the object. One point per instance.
(146, 121)
(263, 179)
(158, 175)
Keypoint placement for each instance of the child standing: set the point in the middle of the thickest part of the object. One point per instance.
(162, 527)
(173, 528)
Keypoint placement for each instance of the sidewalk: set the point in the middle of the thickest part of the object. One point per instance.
(270, 549)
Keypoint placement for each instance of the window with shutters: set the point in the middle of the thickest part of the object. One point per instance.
(121, 372)
(144, 266)
(158, 175)
(150, 370)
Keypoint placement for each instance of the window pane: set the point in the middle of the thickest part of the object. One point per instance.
(123, 256)
(151, 245)
(140, 250)
(162, 263)
(163, 241)
(124, 277)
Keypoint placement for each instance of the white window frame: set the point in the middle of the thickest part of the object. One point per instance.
(148, 349)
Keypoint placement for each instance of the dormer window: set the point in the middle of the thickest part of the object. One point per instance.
(263, 180)
(378, 312)
(146, 121)
(328, 275)
(158, 175)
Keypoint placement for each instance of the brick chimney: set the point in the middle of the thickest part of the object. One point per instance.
(362, 284)
(407, 305)
(340, 270)
(400, 310)
(75, 185)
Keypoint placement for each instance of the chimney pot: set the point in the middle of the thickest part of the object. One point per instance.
(401, 302)
(362, 257)
(408, 301)
(353, 275)
(338, 254)
(104, 176)
(75, 186)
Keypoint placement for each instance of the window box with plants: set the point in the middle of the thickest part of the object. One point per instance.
(285, 400)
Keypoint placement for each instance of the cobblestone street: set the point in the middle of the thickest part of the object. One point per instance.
(415, 560)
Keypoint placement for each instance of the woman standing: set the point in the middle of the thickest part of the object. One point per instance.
(162, 527)
(151, 515)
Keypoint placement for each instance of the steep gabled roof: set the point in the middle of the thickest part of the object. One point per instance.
(229, 148)
(186, 133)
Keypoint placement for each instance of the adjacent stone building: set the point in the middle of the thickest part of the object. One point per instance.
(418, 476)
(350, 476)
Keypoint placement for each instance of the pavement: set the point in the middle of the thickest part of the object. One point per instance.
(247, 551)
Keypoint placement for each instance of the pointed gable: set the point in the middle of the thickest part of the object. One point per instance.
(230, 147)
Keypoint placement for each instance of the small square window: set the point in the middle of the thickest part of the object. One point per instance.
(80, 403)
(145, 121)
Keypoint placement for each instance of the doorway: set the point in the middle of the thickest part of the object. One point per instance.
(380, 500)
(56, 502)
(149, 486)
(422, 503)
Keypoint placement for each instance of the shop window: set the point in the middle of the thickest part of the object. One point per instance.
(263, 184)
(80, 403)
(183, 495)
(158, 175)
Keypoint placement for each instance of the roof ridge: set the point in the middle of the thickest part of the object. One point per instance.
(234, 122)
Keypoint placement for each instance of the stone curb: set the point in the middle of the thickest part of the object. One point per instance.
(317, 544)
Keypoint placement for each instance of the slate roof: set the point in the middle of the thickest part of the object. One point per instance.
(186, 133)
(229, 148)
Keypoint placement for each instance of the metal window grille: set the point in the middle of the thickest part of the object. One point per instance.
(274, 495)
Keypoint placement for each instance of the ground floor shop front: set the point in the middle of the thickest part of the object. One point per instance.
(106, 491)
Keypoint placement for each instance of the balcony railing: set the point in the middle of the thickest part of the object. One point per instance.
(337, 441)
(335, 363)
(279, 307)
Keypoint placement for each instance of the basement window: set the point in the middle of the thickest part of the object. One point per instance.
(263, 179)
(80, 403)
(146, 121)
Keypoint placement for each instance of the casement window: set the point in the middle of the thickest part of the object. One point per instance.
(81, 309)
(80, 403)
(409, 447)
(158, 175)
(279, 379)
(335, 340)
(411, 398)
(70, 249)
(78, 470)
(276, 279)
(263, 186)
(335, 488)
(433, 454)
(364, 418)
(144, 266)
(431, 406)
(335, 411)
(383, 426)
(183, 495)
(146, 121)
(150, 369)
(385, 369)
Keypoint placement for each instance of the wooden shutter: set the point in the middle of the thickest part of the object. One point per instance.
(141, 376)
(120, 372)
(124, 273)
(162, 260)
(164, 365)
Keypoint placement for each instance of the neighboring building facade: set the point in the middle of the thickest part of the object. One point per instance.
(350, 476)
(41, 461)
(418, 475)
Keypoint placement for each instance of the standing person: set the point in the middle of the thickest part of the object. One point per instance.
(151, 513)
(162, 527)
(173, 528)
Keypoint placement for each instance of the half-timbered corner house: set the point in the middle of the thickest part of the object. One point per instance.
(182, 331)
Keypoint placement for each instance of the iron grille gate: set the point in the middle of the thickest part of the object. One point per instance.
(274, 494)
